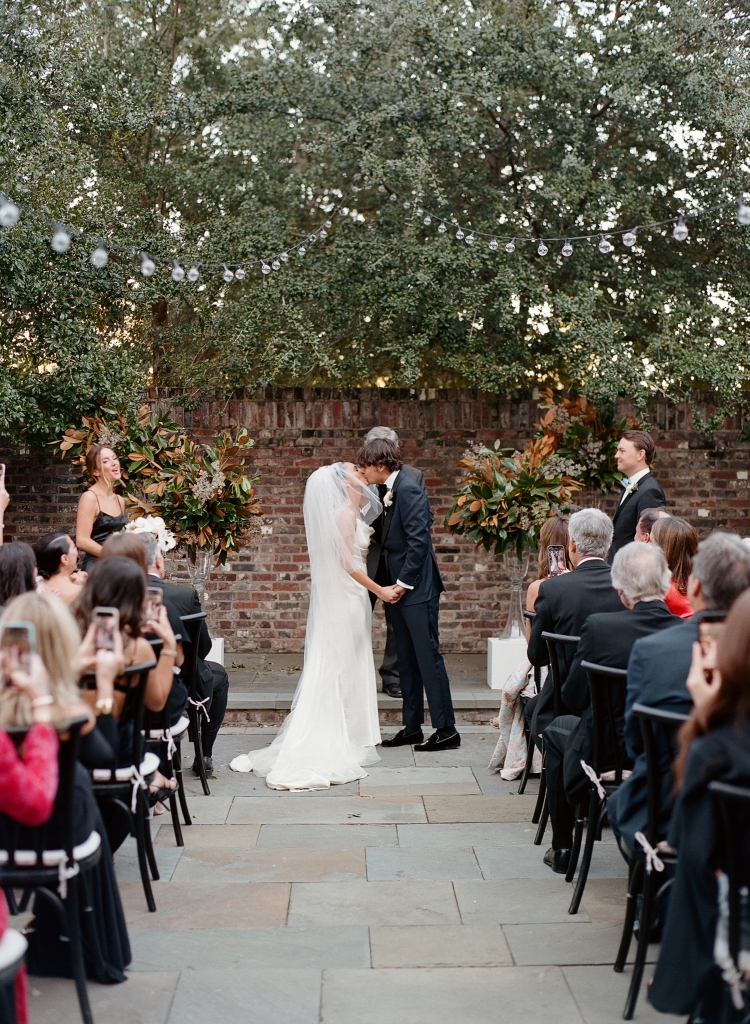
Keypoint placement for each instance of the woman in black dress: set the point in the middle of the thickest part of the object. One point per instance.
(101, 512)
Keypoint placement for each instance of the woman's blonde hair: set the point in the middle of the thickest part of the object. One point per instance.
(57, 643)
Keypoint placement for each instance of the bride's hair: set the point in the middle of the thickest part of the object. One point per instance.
(334, 500)
(380, 452)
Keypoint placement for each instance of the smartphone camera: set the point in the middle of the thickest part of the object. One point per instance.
(107, 622)
(556, 559)
(17, 644)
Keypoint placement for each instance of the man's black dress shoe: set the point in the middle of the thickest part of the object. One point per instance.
(558, 860)
(403, 739)
(435, 743)
(393, 690)
(208, 763)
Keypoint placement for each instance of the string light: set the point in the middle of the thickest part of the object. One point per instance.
(265, 269)
(470, 239)
(680, 231)
(178, 274)
(542, 248)
(407, 204)
(605, 245)
(328, 224)
(743, 213)
(193, 274)
(147, 265)
(567, 249)
(511, 246)
(100, 256)
(459, 234)
(630, 237)
(227, 274)
(239, 273)
(276, 265)
(323, 233)
(284, 257)
(60, 240)
(427, 220)
(442, 228)
(493, 244)
(393, 197)
(9, 212)
(302, 250)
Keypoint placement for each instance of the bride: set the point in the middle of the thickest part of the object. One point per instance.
(332, 729)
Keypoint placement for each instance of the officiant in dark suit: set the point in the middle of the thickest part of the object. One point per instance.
(413, 573)
(377, 571)
(642, 490)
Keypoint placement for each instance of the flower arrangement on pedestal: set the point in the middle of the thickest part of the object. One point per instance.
(203, 494)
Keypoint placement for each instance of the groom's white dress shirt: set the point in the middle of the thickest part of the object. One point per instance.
(632, 480)
(389, 485)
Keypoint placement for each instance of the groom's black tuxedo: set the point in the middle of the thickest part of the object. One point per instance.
(410, 560)
(648, 494)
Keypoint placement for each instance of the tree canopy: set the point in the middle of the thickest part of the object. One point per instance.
(213, 132)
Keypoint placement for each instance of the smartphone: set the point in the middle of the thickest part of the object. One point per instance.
(17, 644)
(154, 601)
(556, 559)
(107, 622)
(710, 629)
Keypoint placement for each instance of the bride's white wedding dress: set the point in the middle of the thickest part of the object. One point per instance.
(332, 729)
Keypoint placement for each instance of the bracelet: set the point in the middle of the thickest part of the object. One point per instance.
(44, 701)
(170, 654)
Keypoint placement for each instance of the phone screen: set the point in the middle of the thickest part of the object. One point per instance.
(556, 559)
(709, 630)
(107, 621)
(17, 644)
(154, 601)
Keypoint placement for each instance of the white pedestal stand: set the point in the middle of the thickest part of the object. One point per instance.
(503, 656)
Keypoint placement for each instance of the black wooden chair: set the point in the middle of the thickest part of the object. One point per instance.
(562, 650)
(13, 946)
(607, 690)
(196, 707)
(128, 786)
(31, 864)
(659, 731)
(529, 616)
(169, 737)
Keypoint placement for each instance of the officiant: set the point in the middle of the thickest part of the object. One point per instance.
(642, 490)
(376, 569)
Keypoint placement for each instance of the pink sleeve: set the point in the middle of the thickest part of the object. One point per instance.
(28, 785)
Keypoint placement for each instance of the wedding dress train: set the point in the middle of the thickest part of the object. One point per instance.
(332, 729)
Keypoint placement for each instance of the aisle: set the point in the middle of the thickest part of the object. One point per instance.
(415, 896)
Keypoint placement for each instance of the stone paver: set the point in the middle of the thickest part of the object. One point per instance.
(445, 946)
(315, 810)
(419, 863)
(383, 903)
(448, 809)
(550, 943)
(263, 996)
(419, 781)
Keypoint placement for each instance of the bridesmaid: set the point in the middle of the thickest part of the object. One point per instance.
(101, 512)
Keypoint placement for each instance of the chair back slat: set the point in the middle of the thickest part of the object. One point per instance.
(659, 730)
(562, 650)
(192, 624)
(607, 689)
(733, 803)
(132, 715)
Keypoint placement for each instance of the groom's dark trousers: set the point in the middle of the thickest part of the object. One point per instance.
(410, 560)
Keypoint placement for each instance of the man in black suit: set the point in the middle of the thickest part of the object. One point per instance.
(213, 679)
(413, 572)
(565, 602)
(377, 571)
(658, 670)
(642, 490)
(641, 577)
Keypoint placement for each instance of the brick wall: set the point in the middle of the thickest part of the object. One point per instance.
(259, 600)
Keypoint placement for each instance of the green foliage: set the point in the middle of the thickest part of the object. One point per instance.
(506, 496)
(205, 130)
(203, 495)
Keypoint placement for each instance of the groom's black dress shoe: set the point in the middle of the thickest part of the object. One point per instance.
(558, 860)
(403, 739)
(393, 690)
(436, 743)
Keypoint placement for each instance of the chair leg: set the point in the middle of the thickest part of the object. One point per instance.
(198, 748)
(588, 850)
(527, 766)
(577, 838)
(648, 908)
(140, 842)
(635, 885)
(148, 843)
(173, 807)
(76, 949)
(181, 786)
(543, 819)
(10, 896)
(540, 796)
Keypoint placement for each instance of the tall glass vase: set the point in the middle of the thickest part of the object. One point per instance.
(516, 569)
(199, 569)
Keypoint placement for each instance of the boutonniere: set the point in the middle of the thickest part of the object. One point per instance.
(388, 499)
(630, 489)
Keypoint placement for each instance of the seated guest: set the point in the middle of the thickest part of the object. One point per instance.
(641, 577)
(124, 545)
(28, 785)
(658, 669)
(57, 643)
(17, 571)
(213, 679)
(714, 744)
(646, 523)
(57, 564)
(679, 542)
(634, 456)
(565, 602)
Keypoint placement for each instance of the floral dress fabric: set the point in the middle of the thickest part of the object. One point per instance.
(509, 757)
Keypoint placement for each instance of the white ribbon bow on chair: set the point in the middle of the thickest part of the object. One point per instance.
(201, 704)
(594, 778)
(653, 860)
(63, 874)
(138, 781)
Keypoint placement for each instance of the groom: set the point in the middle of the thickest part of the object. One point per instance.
(413, 572)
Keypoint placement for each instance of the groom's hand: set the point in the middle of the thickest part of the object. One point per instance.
(391, 595)
(399, 591)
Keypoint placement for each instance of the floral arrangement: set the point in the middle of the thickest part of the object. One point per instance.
(506, 495)
(585, 438)
(204, 496)
(155, 525)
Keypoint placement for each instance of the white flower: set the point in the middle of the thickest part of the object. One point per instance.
(156, 526)
(388, 499)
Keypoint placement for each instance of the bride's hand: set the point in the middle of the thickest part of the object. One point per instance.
(391, 595)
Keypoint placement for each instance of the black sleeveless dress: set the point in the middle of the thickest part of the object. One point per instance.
(104, 526)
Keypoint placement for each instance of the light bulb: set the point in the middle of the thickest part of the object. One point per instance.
(178, 274)
(470, 239)
(407, 204)
(193, 274)
(393, 197)
(240, 272)
(264, 267)
(381, 188)
(284, 257)
(60, 239)
(630, 237)
(605, 245)
(442, 228)
(542, 248)
(511, 246)
(312, 239)
(743, 213)
(419, 211)
(227, 274)
(99, 256)
(302, 250)
(276, 265)
(9, 212)
(328, 224)
(459, 234)
(147, 265)
(567, 249)
(493, 244)
(323, 233)
(680, 231)
(427, 220)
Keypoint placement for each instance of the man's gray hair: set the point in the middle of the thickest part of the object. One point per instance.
(722, 565)
(151, 545)
(382, 434)
(641, 572)
(591, 529)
